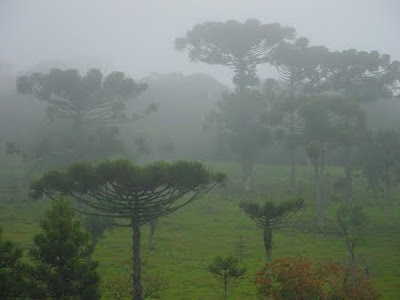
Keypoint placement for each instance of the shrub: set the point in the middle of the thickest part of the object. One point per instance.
(300, 279)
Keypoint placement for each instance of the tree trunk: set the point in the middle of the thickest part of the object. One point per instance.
(225, 286)
(79, 135)
(240, 78)
(318, 194)
(61, 292)
(292, 146)
(268, 241)
(247, 167)
(240, 247)
(388, 189)
(348, 174)
(350, 251)
(321, 184)
(137, 264)
(292, 168)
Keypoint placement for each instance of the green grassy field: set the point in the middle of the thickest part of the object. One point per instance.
(187, 241)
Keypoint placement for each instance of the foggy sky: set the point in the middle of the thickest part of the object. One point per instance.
(137, 36)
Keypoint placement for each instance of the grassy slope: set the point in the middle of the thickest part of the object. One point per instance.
(188, 240)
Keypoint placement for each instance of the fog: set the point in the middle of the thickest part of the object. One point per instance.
(137, 36)
(275, 116)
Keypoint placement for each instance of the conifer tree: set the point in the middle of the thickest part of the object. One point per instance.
(62, 255)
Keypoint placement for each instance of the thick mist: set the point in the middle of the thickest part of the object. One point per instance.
(137, 36)
(207, 150)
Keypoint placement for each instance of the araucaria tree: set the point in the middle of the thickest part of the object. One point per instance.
(299, 66)
(350, 134)
(321, 128)
(91, 101)
(238, 123)
(62, 254)
(87, 98)
(351, 221)
(127, 192)
(269, 216)
(362, 75)
(226, 269)
(240, 46)
(357, 75)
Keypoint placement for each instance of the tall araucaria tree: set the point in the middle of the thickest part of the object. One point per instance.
(92, 101)
(349, 137)
(299, 66)
(240, 46)
(88, 98)
(239, 125)
(362, 75)
(305, 69)
(355, 74)
(131, 193)
(321, 129)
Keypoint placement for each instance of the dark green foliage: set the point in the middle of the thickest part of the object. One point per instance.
(226, 269)
(240, 46)
(156, 186)
(61, 254)
(13, 273)
(269, 216)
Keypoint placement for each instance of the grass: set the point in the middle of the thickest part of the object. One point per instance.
(187, 241)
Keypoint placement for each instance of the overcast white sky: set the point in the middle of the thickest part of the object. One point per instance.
(136, 36)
